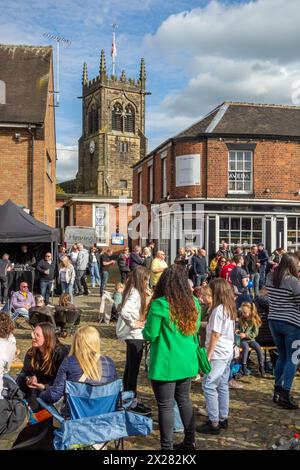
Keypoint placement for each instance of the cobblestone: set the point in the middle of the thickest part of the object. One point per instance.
(255, 422)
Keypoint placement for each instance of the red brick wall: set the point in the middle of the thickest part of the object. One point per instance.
(189, 148)
(276, 165)
(14, 166)
(83, 212)
(15, 163)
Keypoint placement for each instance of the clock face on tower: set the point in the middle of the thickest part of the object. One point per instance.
(92, 147)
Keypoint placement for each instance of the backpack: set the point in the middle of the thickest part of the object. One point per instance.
(13, 409)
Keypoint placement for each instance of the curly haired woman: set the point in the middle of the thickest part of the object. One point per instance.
(172, 324)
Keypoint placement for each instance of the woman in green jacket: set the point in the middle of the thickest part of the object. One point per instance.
(171, 327)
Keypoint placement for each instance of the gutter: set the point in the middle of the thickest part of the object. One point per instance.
(13, 124)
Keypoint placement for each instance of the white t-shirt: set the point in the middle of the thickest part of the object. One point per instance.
(221, 323)
(7, 355)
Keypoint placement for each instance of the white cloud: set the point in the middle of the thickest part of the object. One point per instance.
(67, 162)
(239, 52)
(262, 29)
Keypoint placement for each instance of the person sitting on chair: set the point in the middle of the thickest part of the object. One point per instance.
(7, 355)
(67, 315)
(22, 301)
(84, 364)
(41, 363)
(40, 313)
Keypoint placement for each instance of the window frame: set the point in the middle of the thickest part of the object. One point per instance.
(243, 171)
(123, 187)
(105, 225)
(228, 235)
(48, 165)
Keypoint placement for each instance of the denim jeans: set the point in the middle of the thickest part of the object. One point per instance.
(285, 334)
(165, 393)
(262, 275)
(46, 287)
(4, 289)
(22, 312)
(67, 288)
(244, 297)
(199, 279)
(95, 276)
(255, 278)
(216, 389)
(104, 279)
(246, 345)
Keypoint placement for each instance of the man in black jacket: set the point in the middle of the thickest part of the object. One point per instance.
(199, 266)
(135, 258)
(25, 256)
(123, 263)
(252, 266)
(263, 258)
(46, 269)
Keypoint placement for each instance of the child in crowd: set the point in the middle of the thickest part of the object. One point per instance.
(219, 344)
(249, 324)
(117, 298)
(204, 294)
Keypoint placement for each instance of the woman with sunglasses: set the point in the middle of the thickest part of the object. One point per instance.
(221, 263)
(41, 363)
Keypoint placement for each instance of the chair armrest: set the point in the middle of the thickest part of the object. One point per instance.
(127, 399)
(52, 410)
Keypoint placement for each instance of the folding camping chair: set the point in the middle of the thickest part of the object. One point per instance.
(98, 415)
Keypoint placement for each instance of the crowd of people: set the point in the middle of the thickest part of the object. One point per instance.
(198, 319)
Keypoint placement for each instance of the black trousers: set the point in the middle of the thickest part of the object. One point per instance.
(165, 393)
(134, 354)
(3, 288)
(124, 276)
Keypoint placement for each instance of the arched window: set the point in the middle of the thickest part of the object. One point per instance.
(117, 117)
(129, 119)
(93, 120)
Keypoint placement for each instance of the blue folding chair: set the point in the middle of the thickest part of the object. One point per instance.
(98, 414)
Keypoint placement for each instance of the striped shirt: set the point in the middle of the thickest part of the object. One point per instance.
(284, 301)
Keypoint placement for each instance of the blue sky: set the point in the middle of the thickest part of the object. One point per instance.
(198, 53)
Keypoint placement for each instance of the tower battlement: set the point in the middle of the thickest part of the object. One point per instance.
(113, 131)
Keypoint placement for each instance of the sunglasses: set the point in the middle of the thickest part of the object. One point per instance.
(24, 287)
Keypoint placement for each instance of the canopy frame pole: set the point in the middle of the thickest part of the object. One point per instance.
(52, 290)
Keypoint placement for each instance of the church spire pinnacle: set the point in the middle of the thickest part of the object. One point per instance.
(143, 73)
(102, 69)
(84, 74)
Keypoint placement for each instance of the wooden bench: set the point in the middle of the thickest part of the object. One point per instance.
(266, 349)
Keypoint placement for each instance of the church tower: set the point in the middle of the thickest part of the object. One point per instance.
(113, 131)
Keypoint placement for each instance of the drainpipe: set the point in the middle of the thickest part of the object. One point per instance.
(31, 167)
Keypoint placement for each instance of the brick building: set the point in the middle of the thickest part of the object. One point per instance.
(234, 175)
(110, 217)
(113, 139)
(27, 130)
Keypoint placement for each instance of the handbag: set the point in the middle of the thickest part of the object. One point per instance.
(204, 364)
(13, 408)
